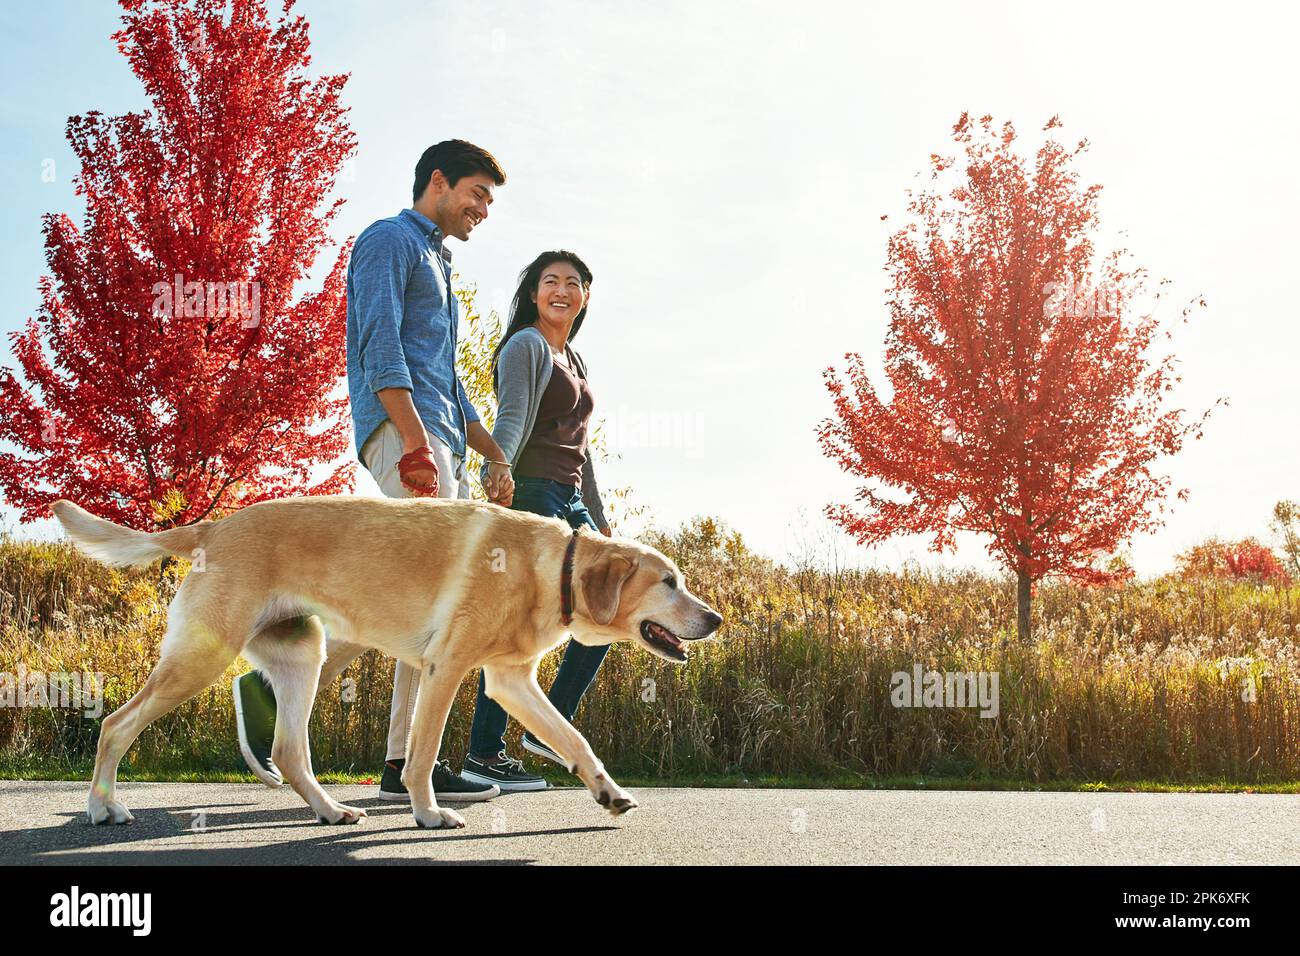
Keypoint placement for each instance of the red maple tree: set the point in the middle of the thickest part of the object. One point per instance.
(1244, 560)
(1024, 406)
(186, 379)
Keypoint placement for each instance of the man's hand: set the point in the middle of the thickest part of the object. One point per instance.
(606, 532)
(419, 472)
(499, 484)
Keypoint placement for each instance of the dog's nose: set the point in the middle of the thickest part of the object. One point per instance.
(714, 620)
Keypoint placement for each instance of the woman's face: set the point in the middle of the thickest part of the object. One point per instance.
(559, 294)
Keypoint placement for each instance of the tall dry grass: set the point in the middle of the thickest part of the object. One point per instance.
(1164, 679)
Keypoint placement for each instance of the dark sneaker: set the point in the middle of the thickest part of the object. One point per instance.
(535, 746)
(255, 721)
(448, 786)
(506, 772)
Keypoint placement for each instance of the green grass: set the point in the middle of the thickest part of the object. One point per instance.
(1192, 683)
(28, 770)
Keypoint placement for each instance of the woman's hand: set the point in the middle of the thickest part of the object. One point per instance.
(498, 484)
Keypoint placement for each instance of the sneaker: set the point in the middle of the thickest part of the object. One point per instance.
(448, 786)
(535, 746)
(255, 722)
(506, 772)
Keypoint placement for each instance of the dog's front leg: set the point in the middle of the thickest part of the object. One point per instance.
(516, 690)
(438, 684)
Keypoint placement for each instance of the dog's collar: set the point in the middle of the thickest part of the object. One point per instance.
(566, 581)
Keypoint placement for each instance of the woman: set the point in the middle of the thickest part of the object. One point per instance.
(544, 407)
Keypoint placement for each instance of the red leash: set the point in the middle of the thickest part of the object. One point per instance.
(418, 460)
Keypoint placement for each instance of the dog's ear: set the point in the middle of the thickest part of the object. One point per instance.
(602, 581)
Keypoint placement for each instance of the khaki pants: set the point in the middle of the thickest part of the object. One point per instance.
(380, 455)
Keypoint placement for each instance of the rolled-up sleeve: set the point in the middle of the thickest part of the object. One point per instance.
(379, 274)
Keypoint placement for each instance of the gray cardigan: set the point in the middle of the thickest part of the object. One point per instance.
(526, 362)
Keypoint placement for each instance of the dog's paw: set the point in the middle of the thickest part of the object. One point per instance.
(438, 819)
(613, 797)
(621, 805)
(108, 811)
(342, 815)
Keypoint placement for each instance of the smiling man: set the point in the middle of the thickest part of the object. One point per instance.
(412, 417)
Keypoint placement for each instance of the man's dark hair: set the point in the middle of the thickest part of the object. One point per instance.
(457, 159)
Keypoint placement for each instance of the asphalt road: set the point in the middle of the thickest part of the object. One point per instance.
(44, 822)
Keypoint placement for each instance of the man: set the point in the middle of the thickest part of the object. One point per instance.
(412, 418)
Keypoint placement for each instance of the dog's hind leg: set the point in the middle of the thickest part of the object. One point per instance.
(193, 659)
(292, 660)
(515, 688)
(338, 655)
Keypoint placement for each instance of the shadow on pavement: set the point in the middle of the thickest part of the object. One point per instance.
(76, 842)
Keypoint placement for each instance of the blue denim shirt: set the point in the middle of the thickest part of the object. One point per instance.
(401, 330)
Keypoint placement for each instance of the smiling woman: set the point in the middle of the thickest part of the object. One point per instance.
(555, 287)
(544, 405)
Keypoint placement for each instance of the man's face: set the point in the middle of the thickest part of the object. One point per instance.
(462, 207)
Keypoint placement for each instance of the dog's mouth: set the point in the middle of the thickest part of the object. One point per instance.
(663, 640)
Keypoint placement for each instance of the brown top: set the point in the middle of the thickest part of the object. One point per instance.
(557, 447)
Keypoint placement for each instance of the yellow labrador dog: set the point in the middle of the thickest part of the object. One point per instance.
(444, 585)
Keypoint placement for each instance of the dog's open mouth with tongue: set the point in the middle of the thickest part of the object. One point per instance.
(663, 640)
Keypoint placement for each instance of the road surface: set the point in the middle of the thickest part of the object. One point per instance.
(44, 823)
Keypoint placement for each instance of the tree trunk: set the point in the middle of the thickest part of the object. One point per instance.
(1022, 607)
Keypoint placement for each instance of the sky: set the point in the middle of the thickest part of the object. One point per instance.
(724, 167)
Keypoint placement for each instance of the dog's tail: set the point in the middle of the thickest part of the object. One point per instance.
(122, 547)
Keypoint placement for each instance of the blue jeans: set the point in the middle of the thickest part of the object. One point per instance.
(579, 665)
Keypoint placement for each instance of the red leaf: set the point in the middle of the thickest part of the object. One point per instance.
(219, 395)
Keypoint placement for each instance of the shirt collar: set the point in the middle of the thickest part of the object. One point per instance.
(429, 229)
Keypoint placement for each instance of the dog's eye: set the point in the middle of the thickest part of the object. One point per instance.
(671, 582)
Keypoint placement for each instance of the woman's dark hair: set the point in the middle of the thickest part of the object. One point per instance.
(457, 159)
(523, 310)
